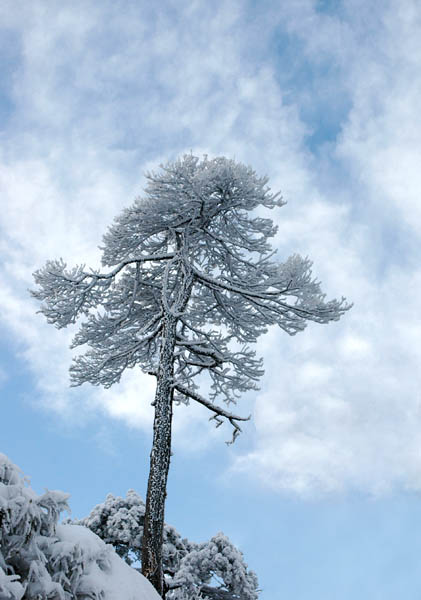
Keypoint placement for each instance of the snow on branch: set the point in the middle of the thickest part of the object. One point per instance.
(193, 250)
(68, 293)
(220, 413)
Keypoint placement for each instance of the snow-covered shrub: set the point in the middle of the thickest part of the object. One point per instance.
(119, 521)
(213, 569)
(218, 562)
(42, 560)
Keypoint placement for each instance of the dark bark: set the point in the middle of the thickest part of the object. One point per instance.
(159, 461)
(161, 445)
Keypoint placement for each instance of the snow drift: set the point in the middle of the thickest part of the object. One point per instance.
(40, 559)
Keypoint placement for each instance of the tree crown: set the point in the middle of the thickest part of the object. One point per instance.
(193, 249)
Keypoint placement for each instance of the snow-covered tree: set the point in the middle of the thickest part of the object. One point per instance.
(43, 560)
(191, 284)
(119, 521)
(215, 569)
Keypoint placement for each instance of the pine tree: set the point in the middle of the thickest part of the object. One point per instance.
(191, 284)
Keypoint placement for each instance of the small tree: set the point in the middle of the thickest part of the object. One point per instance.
(191, 284)
(213, 570)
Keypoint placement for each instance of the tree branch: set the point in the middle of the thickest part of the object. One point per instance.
(216, 593)
(118, 268)
(215, 283)
(219, 412)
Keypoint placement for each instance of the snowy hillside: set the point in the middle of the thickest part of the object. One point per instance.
(41, 559)
(118, 581)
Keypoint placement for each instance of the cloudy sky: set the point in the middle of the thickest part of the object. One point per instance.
(322, 490)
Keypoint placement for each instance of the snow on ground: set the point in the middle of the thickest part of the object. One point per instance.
(119, 581)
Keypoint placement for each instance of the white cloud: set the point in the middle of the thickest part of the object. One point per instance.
(341, 408)
(102, 95)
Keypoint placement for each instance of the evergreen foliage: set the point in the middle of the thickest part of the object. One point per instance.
(215, 569)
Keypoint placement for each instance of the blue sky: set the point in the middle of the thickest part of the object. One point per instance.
(322, 490)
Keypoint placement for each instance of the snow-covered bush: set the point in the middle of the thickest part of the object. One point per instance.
(119, 521)
(213, 569)
(42, 560)
(219, 562)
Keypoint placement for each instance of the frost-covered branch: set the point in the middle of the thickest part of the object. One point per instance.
(219, 412)
(221, 284)
(215, 593)
(68, 293)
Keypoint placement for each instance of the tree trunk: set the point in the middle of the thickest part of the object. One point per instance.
(159, 461)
